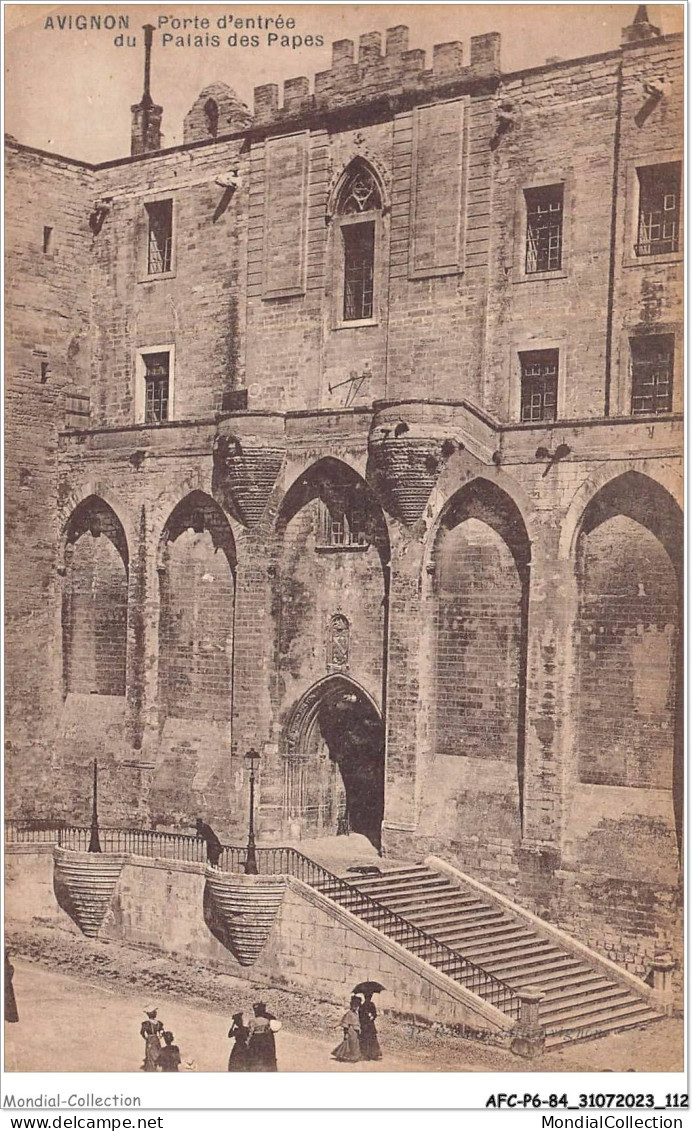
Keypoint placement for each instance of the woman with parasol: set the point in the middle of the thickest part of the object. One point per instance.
(349, 1049)
(367, 1012)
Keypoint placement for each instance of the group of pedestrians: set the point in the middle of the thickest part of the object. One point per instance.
(254, 1045)
(360, 1034)
(160, 1054)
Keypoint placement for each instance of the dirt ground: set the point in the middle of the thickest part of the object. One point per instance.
(69, 978)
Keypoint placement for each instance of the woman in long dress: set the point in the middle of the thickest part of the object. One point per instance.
(349, 1049)
(261, 1046)
(151, 1030)
(369, 1044)
(11, 1013)
(238, 1060)
(168, 1059)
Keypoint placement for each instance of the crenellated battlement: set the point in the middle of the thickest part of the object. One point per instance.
(373, 73)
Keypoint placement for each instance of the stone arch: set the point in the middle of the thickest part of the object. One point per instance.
(333, 750)
(95, 600)
(629, 565)
(89, 490)
(358, 158)
(196, 566)
(670, 482)
(480, 564)
(332, 557)
(517, 502)
(332, 480)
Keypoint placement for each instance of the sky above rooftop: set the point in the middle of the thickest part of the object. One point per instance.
(69, 91)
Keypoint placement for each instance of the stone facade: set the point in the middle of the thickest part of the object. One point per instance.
(348, 540)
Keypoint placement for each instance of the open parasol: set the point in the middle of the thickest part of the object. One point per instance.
(368, 988)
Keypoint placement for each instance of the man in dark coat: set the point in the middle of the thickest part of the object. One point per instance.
(214, 845)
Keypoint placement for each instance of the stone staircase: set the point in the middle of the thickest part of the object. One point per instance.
(580, 1001)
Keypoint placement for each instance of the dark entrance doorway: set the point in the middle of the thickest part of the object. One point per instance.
(335, 762)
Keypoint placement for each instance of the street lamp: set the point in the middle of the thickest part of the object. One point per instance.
(94, 842)
(251, 868)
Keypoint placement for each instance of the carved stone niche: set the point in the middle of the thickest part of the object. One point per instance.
(247, 462)
(408, 451)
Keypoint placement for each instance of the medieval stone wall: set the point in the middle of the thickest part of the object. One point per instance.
(510, 572)
(134, 310)
(47, 359)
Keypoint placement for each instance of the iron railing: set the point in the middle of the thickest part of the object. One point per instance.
(41, 830)
(140, 842)
(277, 860)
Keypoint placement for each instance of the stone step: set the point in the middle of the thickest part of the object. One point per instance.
(531, 974)
(628, 1013)
(396, 880)
(406, 891)
(444, 915)
(422, 900)
(491, 948)
(532, 956)
(456, 930)
(555, 984)
(500, 930)
(567, 1036)
(608, 999)
(544, 972)
(392, 874)
(572, 988)
(532, 952)
(483, 918)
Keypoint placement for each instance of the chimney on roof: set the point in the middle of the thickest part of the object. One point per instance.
(640, 29)
(146, 115)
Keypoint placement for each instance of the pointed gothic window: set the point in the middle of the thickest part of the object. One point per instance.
(359, 206)
(360, 192)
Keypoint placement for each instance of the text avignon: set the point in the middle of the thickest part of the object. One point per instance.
(86, 23)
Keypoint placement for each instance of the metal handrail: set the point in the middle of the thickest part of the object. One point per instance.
(278, 860)
(395, 926)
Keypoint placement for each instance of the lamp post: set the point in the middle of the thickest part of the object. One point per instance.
(251, 868)
(94, 842)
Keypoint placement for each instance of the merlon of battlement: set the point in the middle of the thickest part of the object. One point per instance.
(356, 77)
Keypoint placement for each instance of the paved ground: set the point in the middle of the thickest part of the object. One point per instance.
(91, 1024)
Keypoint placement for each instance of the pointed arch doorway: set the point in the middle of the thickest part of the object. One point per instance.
(334, 762)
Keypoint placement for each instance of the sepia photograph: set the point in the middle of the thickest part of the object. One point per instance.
(344, 542)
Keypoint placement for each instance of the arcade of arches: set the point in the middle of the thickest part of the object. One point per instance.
(296, 648)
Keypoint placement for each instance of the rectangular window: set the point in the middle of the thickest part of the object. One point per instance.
(156, 377)
(652, 374)
(539, 370)
(658, 230)
(47, 237)
(544, 212)
(160, 237)
(342, 524)
(359, 264)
